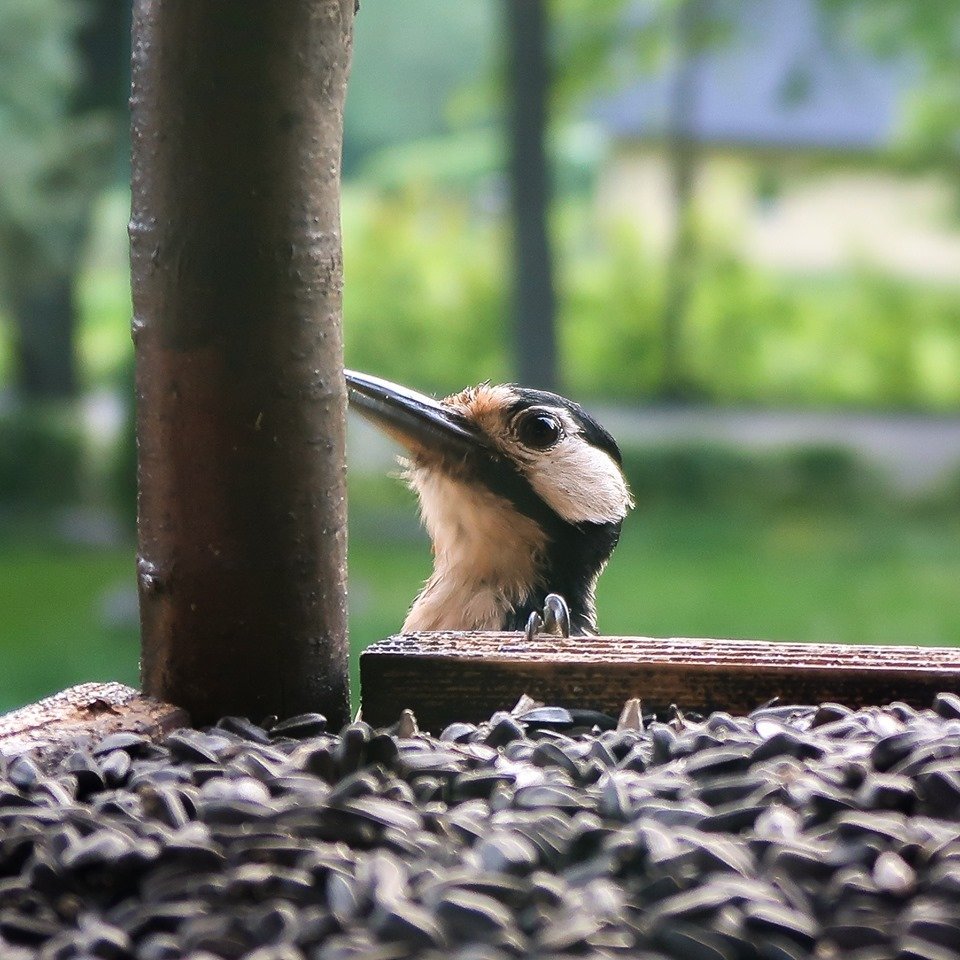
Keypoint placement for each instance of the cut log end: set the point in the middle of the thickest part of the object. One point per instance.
(82, 714)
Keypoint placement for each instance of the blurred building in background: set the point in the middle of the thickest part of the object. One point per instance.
(795, 128)
(795, 131)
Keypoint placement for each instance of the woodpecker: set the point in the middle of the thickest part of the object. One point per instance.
(522, 494)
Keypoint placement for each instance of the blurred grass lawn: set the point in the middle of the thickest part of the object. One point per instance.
(872, 576)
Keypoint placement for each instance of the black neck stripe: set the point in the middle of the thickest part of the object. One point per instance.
(576, 552)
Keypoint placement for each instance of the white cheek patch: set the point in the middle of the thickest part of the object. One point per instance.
(580, 483)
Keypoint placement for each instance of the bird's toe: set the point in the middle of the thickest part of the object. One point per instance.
(556, 615)
(555, 618)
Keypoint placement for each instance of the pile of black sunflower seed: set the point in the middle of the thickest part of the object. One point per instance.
(794, 832)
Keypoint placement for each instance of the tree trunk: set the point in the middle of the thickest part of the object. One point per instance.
(47, 368)
(534, 300)
(675, 383)
(237, 275)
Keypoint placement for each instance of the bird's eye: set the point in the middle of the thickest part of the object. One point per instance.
(539, 430)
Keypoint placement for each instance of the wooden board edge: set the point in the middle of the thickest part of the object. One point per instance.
(431, 675)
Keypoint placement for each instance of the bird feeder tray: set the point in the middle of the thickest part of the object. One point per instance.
(444, 677)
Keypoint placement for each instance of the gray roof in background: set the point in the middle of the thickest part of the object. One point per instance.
(777, 80)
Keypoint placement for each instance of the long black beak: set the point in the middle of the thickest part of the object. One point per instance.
(413, 419)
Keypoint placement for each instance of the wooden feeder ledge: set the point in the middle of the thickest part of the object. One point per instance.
(444, 677)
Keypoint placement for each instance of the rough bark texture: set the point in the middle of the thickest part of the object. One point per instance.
(237, 114)
(78, 716)
(444, 677)
(534, 298)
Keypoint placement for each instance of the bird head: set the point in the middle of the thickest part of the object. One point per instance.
(521, 491)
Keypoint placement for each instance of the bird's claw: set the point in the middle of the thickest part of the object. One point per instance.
(556, 615)
(554, 620)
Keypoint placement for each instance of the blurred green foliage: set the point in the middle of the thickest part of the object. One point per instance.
(425, 304)
(424, 296)
(471, 163)
(427, 246)
(816, 477)
(50, 155)
(42, 455)
(434, 50)
(927, 36)
(55, 160)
